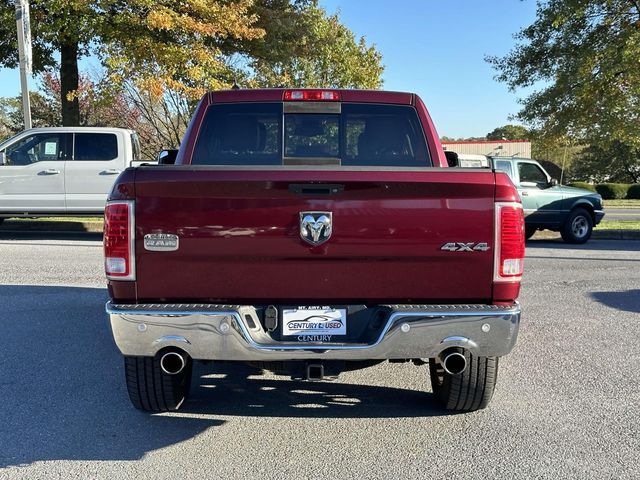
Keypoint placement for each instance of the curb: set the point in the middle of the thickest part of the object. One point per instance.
(617, 234)
(597, 234)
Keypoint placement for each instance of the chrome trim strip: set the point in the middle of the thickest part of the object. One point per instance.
(210, 308)
(542, 210)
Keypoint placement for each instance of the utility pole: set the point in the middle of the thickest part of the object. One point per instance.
(24, 54)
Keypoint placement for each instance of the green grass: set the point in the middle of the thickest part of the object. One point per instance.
(622, 203)
(619, 225)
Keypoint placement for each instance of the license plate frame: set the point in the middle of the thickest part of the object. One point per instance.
(316, 323)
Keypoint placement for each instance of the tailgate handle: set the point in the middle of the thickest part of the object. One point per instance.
(315, 189)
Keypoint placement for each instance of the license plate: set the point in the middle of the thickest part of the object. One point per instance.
(314, 323)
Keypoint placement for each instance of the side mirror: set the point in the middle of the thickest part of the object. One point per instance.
(3, 158)
(452, 158)
(167, 157)
(553, 182)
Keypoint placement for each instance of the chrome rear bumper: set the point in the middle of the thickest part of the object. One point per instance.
(220, 332)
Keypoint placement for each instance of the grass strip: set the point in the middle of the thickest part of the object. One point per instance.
(622, 203)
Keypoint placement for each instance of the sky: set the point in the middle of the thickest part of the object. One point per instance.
(434, 48)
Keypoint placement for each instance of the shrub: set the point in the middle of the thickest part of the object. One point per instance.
(634, 191)
(612, 191)
(585, 185)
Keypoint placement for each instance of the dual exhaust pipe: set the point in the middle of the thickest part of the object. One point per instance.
(453, 362)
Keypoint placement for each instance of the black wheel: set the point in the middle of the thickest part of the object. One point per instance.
(529, 231)
(153, 390)
(578, 227)
(468, 391)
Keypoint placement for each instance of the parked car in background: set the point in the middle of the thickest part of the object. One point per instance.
(63, 170)
(547, 205)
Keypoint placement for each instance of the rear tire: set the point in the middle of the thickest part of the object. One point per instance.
(578, 226)
(152, 390)
(468, 391)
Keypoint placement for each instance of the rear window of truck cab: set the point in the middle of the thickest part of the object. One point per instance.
(266, 134)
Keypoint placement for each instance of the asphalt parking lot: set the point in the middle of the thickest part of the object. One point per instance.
(566, 406)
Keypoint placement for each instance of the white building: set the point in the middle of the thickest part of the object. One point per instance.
(498, 148)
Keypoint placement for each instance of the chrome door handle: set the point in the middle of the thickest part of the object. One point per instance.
(50, 171)
(111, 171)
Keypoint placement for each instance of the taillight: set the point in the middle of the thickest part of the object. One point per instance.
(119, 259)
(312, 95)
(509, 244)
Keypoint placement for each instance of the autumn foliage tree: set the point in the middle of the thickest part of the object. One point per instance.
(175, 44)
(167, 43)
(159, 56)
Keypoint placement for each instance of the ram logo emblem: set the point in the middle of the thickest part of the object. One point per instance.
(315, 227)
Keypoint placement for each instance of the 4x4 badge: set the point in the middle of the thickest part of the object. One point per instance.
(465, 247)
(315, 227)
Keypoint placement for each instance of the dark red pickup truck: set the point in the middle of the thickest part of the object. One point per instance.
(310, 232)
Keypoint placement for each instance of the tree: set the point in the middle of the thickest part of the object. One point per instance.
(169, 52)
(161, 119)
(582, 56)
(509, 132)
(617, 163)
(5, 121)
(446, 139)
(99, 106)
(172, 41)
(43, 113)
(326, 55)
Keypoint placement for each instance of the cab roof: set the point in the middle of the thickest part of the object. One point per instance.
(277, 95)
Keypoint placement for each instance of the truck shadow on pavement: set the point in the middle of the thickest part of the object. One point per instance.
(64, 397)
(239, 390)
(62, 383)
(628, 301)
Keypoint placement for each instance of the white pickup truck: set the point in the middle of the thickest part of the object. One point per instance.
(63, 170)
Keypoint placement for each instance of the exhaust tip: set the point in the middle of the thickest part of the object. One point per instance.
(172, 363)
(454, 363)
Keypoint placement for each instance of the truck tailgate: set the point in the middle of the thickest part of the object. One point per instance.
(239, 235)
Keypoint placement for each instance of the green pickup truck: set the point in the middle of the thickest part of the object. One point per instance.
(547, 205)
